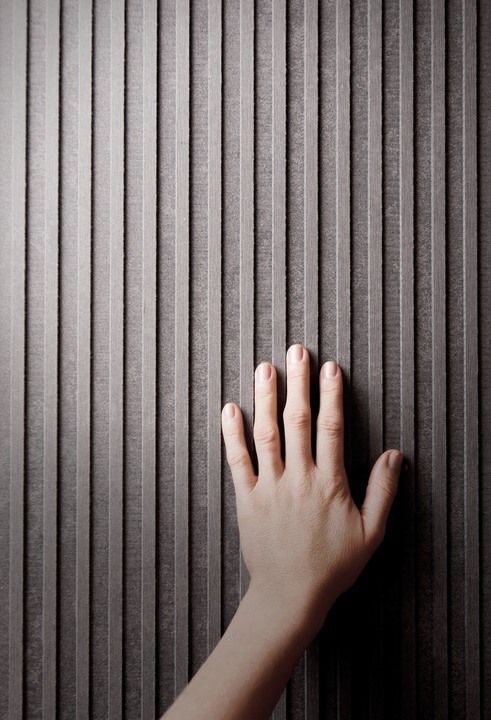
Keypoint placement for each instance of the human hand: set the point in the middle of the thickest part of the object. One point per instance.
(303, 538)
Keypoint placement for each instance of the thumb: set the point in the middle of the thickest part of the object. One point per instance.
(380, 494)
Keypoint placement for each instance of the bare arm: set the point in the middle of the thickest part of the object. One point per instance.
(303, 538)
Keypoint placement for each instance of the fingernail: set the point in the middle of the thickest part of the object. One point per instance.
(229, 410)
(395, 458)
(264, 371)
(330, 369)
(295, 354)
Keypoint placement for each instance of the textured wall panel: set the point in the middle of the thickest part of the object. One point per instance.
(187, 188)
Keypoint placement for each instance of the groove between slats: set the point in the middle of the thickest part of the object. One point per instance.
(82, 619)
(439, 419)
(214, 524)
(311, 253)
(278, 288)
(116, 354)
(50, 417)
(246, 227)
(471, 367)
(149, 359)
(406, 228)
(182, 348)
(17, 240)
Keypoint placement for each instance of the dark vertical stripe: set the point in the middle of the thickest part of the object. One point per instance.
(246, 226)
(83, 358)
(182, 347)
(214, 614)
(311, 252)
(17, 52)
(50, 418)
(439, 411)
(406, 228)
(375, 311)
(116, 350)
(343, 248)
(278, 319)
(149, 329)
(471, 367)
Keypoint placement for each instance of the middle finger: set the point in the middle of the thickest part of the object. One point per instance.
(297, 414)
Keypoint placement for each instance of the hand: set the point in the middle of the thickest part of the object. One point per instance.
(303, 538)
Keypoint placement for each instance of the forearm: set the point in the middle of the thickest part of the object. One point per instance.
(246, 672)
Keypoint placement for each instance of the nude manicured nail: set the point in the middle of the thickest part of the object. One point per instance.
(330, 369)
(264, 372)
(229, 410)
(295, 354)
(395, 458)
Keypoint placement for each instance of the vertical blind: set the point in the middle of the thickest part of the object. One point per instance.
(187, 188)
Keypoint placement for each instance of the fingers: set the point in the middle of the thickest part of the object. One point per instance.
(266, 431)
(380, 494)
(330, 423)
(296, 415)
(236, 449)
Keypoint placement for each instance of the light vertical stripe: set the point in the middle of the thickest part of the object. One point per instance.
(278, 319)
(439, 410)
(311, 254)
(149, 357)
(214, 525)
(246, 226)
(50, 417)
(83, 358)
(16, 52)
(375, 303)
(182, 348)
(116, 356)
(471, 365)
(406, 230)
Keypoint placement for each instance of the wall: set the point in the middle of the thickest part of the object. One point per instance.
(186, 191)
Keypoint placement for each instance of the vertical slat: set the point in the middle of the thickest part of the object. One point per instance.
(116, 350)
(182, 348)
(83, 358)
(50, 416)
(343, 248)
(375, 311)
(406, 229)
(278, 320)
(214, 615)
(311, 252)
(439, 411)
(246, 226)
(471, 367)
(17, 53)
(149, 329)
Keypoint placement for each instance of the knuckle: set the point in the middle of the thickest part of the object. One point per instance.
(265, 435)
(297, 417)
(331, 425)
(237, 459)
(387, 488)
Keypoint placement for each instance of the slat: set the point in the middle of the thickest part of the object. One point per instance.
(471, 366)
(246, 226)
(375, 307)
(50, 417)
(149, 357)
(439, 410)
(278, 288)
(311, 254)
(343, 259)
(82, 591)
(406, 229)
(116, 354)
(16, 53)
(182, 348)
(214, 528)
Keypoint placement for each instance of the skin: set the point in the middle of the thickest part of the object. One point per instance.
(303, 538)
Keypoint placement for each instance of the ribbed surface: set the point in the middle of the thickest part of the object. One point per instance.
(187, 188)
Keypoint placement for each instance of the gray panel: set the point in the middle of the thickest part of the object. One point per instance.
(187, 189)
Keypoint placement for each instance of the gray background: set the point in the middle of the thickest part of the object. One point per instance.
(186, 191)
